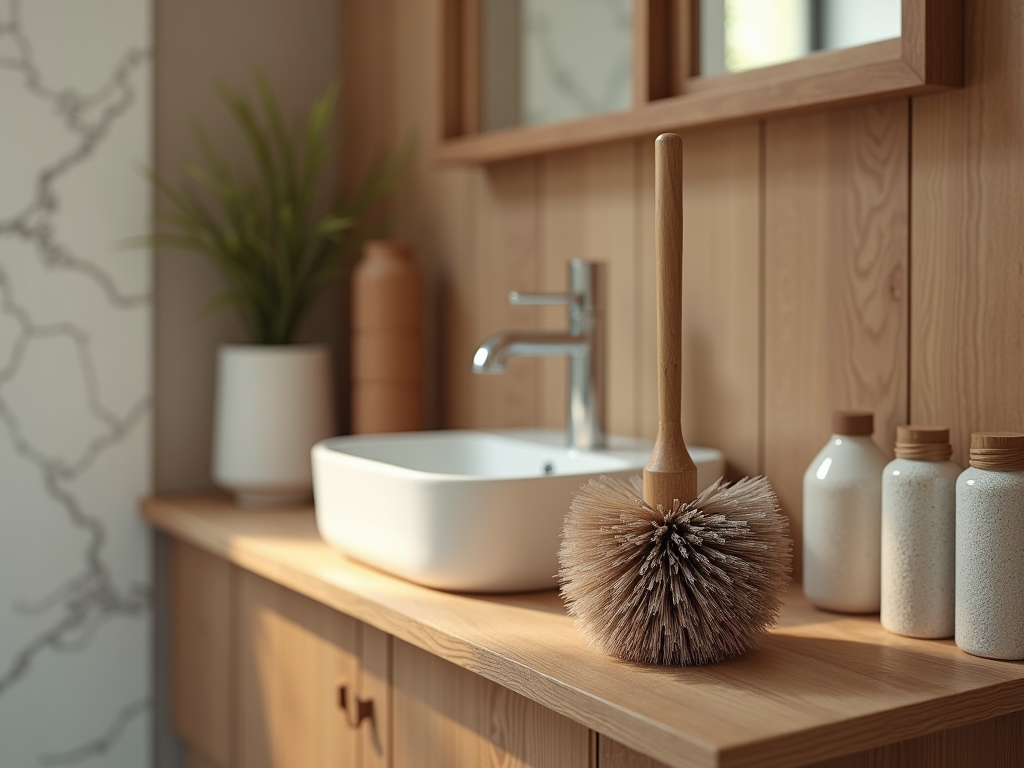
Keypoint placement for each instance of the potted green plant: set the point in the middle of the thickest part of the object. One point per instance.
(277, 246)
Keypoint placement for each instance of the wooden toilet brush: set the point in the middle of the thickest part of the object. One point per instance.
(652, 571)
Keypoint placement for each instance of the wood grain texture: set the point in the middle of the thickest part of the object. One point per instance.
(445, 716)
(375, 685)
(369, 67)
(448, 58)
(927, 58)
(721, 399)
(933, 40)
(505, 244)
(294, 653)
(836, 271)
(966, 355)
(202, 651)
(872, 72)
(587, 212)
(994, 743)
(653, 49)
(819, 686)
(367, 47)
(615, 755)
(670, 476)
(433, 208)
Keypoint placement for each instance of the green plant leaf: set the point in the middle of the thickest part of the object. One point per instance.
(262, 224)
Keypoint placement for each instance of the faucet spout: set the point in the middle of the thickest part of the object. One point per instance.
(494, 353)
(582, 344)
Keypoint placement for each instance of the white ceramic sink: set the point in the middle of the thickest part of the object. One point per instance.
(462, 510)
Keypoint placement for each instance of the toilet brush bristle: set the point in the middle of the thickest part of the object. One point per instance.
(695, 584)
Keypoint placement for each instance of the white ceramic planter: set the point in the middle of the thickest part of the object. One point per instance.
(272, 404)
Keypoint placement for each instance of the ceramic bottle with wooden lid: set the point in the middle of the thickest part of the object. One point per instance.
(843, 518)
(990, 547)
(919, 533)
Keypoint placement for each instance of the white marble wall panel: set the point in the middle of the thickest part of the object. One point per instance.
(75, 388)
(576, 58)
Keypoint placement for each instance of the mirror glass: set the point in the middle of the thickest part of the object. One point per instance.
(544, 61)
(737, 35)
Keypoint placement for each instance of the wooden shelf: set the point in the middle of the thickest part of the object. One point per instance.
(927, 57)
(820, 685)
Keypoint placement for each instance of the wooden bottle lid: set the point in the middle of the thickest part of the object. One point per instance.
(922, 443)
(853, 423)
(997, 450)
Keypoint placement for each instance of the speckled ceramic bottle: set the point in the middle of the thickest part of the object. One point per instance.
(919, 534)
(843, 518)
(990, 548)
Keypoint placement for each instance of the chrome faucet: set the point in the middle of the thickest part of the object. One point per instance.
(583, 344)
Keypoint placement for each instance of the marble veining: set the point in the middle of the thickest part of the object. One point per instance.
(576, 58)
(75, 314)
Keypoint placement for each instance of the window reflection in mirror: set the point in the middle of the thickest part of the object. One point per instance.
(736, 35)
(544, 61)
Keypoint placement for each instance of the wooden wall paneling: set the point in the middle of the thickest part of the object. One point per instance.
(560, 219)
(721, 294)
(201, 644)
(447, 716)
(588, 212)
(367, 73)
(434, 210)
(505, 253)
(836, 264)
(375, 685)
(967, 353)
(294, 653)
(392, 101)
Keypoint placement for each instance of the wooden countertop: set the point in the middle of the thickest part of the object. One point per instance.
(821, 685)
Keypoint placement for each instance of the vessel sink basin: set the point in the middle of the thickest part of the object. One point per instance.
(465, 511)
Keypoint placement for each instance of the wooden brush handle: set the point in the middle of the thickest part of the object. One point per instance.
(670, 474)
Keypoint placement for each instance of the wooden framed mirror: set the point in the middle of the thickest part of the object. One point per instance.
(668, 94)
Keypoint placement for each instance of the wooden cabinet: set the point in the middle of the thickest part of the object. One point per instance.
(201, 654)
(296, 659)
(258, 678)
(267, 678)
(269, 623)
(447, 716)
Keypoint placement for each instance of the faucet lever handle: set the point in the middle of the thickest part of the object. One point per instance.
(541, 299)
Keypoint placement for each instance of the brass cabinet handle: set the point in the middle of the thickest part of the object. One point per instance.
(363, 708)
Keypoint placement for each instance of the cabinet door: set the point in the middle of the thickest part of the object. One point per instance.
(446, 717)
(375, 687)
(294, 654)
(201, 654)
(616, 755)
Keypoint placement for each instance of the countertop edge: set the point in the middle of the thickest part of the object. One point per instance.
(672, 746)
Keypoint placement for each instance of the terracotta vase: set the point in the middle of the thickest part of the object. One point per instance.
(387, 340)
(272, 404)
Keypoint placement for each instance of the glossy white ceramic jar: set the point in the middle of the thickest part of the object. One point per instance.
(842, 518)
(918, 534)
